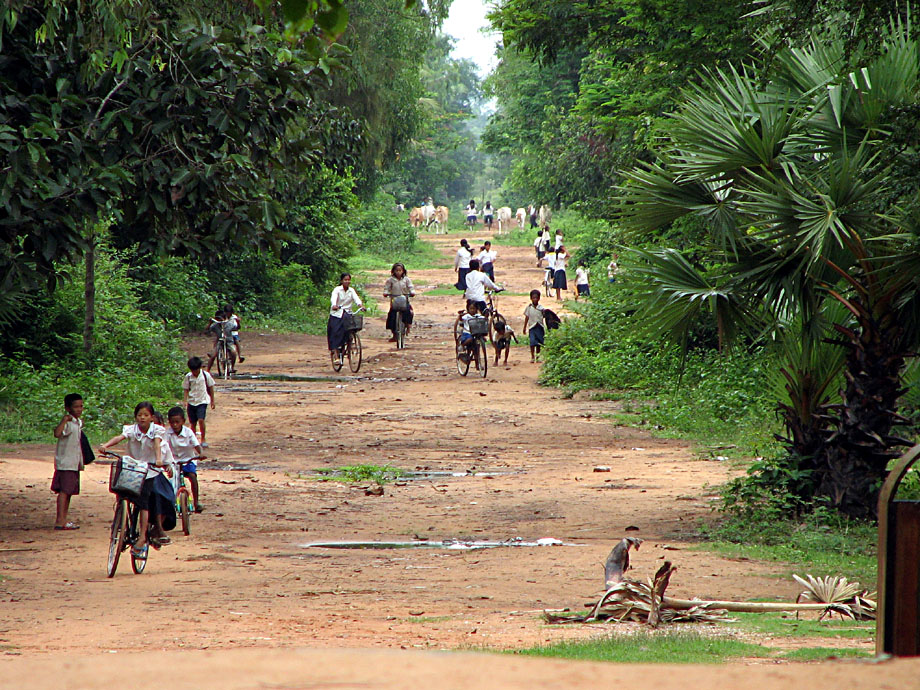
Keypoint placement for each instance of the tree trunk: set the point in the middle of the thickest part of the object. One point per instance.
(853, 463)
(89, 294)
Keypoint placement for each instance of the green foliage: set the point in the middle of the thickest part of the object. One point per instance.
(788, 625)
(675, 646)
(376, 228)
(361, 473)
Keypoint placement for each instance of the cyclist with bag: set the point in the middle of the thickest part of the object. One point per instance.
(157, 498)
(341, 301)
(399, 289)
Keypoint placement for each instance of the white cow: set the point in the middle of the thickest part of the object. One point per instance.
(546, 215)
(504, 219)
(521, 216)
(428, 214)
(440, 216)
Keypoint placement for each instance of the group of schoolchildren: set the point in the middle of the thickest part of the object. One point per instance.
(553, 250)
(162, 442)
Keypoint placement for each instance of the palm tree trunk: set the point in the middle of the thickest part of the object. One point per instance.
(854, 460)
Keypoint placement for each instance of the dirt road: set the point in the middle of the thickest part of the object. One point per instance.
(500, 459)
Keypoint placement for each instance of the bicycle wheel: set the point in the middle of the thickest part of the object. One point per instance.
(223, 362)
(482, 356)
(117, 536)
(182, 496)
(354, 352)
(338, 358)
(227, 364)
(462, 367)
(400, 331)
(138, 564)
(219, 361)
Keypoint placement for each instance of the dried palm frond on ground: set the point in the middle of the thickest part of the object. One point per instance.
(856, 602)
(645, 602)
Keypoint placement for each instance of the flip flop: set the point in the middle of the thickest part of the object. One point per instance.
(68, 526)
(141, 554)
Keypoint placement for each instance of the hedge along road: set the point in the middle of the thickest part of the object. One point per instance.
(245, 577)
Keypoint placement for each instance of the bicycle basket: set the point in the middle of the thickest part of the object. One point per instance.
(401, 303)
(127, 476)
(353, 322)
(479, 327)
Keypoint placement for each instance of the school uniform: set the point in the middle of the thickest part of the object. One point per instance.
(462, 266)
(182, 446)
(536, 326)
(559, 279)
(581, 281)
(466, 336)
(68, 459)
(538, 247)
(476, 284)
(487, 262)
(198, 397)
(157, 494)
(550, 268)
(340, 301)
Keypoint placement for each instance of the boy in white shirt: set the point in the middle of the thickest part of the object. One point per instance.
(197, 394)
(184, 446)
(68, 459)
(539, 249)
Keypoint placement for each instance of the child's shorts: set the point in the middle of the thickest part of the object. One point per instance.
(466, 338)
(197, 412)
(66, 482)
(537, 334)
(190, 467)
(471, 219)
(584, 290)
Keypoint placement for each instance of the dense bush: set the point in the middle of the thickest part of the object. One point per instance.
(377, 229)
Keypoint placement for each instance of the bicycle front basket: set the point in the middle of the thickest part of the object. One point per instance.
(127, 476)
(401, 303)
(479, 327)
(353, 322)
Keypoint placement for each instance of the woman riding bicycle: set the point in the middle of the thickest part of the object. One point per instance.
(343, 298)
(399, 285)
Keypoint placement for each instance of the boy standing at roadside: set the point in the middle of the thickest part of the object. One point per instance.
(198, 393)
(534, 317)
(68, 459)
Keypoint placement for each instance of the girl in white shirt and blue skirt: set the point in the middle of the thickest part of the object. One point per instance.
(343, 298)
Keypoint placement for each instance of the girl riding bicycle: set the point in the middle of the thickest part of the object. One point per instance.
(399, 284)
(343, 298)
(157, 498)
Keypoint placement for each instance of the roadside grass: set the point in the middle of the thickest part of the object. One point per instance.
(423, 256)
(822, 653)
(381, 474)
(673, 647)
(787, 625)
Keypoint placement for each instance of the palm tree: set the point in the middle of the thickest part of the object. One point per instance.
(799, 180)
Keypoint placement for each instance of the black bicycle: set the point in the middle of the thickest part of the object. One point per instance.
(477, 352)
(124, 533)
(351, 349)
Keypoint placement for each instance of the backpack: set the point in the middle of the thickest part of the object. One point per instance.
(551, 320)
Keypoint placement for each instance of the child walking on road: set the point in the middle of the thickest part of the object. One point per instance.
(198, 393)
(533, 316)
(68, 459)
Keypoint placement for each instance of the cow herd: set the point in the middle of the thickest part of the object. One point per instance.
(429, 214)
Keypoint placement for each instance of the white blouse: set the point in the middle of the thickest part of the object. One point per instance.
(559, 263)
(141, 445)
(487, 256)
(343, 299)
(462, 260)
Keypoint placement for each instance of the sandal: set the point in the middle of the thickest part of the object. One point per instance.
(139, 554)
(68, 526)
(199, 508)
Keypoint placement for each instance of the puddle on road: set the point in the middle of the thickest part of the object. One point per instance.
(288, 377)
(398, 475)
(447, 544)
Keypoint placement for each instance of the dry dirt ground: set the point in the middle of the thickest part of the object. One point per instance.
(245, 601)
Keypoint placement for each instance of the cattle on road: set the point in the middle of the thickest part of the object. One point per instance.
(504, 219)
(440, 218)
(546, 215)
(415, 217)
(521, 216)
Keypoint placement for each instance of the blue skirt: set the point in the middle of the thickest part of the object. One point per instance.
(335, 332)
(559, 280)
(461, 278)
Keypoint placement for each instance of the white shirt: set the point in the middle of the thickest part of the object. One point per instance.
(68, 455)
(476, 284)
(488, 211)
(551, 261)
(343, 299)
(471, 211)
(534, 315)
(558, 242)
(539, 241)
(182, 444)
(236, 324)
(462, 260)
(559, 263)
(612, 269)
(487, 256)
(581, 276)
(197, 387)
(140, 444)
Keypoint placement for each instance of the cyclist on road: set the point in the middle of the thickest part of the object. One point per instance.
(399, 284)
(476, 284)
(343, 298)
